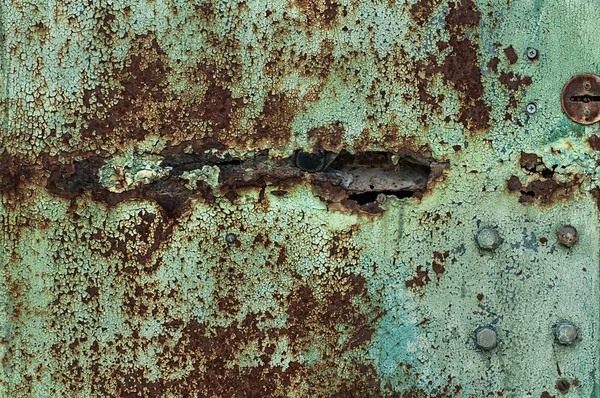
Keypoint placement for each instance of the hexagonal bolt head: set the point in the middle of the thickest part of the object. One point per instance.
(310, 162)
(488, 239)
(565, 333)
(486, 338)
(567, 235)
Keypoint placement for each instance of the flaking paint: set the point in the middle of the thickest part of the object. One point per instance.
(121, 283)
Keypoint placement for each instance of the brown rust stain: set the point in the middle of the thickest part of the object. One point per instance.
(13, 172)
(135, 100)
(594, 142)
(460, 68)
(421, 10)
(138, 239)
(134, 105)
(69, 180)
(274, 123)
(339, 249)
(320, 13)
(595, 192)
(439, 262)
(328, 137)
(511, 55)
(73, 179)
(218, 104)
(493, 64)
(546, 191)
(207, 357)
(420, 279)
(463, 14)
(530, 161)
(514, 82)
(542, 185)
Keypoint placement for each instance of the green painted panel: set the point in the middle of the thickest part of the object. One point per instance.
(158, 240)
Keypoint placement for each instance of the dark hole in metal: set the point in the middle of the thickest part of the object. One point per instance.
(548, 173)
(181, 163)
(370, 197)
(311, 162)
(370, 174)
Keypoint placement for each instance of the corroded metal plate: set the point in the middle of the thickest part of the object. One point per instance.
(580, 99)
(159, 238)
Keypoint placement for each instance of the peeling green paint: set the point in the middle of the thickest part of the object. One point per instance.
(159, 241)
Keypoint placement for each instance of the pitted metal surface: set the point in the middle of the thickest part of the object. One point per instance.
(159, 238)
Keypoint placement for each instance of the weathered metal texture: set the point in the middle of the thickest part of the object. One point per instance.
(157, 241)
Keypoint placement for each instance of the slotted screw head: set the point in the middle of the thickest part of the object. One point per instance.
(486, 338)
(563, 385)
(565, 333)
(567, 235)
(488, 239)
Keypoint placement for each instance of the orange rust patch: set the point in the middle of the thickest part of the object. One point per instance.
(120, 112)
(321, 13)
(328, 137)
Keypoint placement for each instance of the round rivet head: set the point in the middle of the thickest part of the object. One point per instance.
(563, 385)
(565, 333)
(230, 238)
(310, 162)
(531, 108)
(486, 338)
(567, 235)
(488, 239)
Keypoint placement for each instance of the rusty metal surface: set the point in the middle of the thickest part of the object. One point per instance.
(581, 99)
(159, 240)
